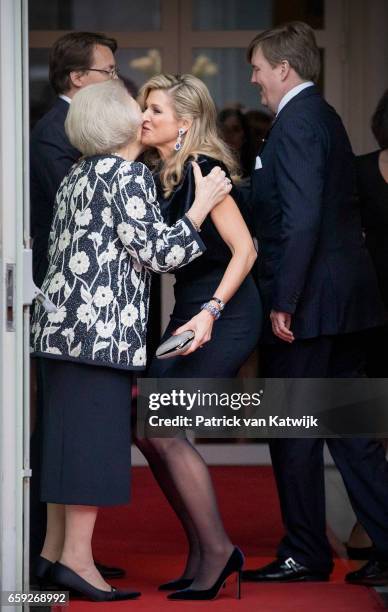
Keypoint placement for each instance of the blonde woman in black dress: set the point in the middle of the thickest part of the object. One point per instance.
(217, 299)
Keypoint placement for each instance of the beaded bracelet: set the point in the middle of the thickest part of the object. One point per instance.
(214, 311)
(220, 303)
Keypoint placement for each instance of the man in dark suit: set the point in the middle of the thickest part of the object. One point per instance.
(76, 60)
(319, 291)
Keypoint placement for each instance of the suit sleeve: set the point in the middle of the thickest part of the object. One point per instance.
(152, 243)
(52, 157)
(300, 174)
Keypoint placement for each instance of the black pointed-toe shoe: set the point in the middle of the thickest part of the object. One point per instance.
(176, 585)
(65, 577)
(42, 572)
(283, 571)
(108, 571)
(373, 573)
(234, 565)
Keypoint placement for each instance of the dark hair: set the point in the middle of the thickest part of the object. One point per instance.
(294, 42)
(130, 86)
(247, 152)
(379, 123)
(74, 51)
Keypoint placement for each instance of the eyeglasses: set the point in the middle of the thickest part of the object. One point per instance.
(112, 74)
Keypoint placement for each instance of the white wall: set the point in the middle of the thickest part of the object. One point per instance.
(11, 340)
(366, 67)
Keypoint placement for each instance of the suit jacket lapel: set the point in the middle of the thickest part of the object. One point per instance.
(265, 138)
(62, 106)
(305, 93)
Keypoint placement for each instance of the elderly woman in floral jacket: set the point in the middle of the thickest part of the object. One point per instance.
(107, 237)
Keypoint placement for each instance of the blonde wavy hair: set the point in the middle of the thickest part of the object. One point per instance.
(191, 101)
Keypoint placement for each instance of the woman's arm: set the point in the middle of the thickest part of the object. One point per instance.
(140, 225)
(232, 228)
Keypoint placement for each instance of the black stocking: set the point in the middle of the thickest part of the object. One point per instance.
(185, 480)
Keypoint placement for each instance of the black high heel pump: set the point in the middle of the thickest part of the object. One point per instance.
(176, 585)
(68, 579)
(42, 571)
(234, 565)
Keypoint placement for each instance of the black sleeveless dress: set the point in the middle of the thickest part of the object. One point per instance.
(236, 333)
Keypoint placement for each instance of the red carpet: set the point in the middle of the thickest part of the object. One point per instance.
(146, 539)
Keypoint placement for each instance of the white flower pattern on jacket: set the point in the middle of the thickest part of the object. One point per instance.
(107, 237)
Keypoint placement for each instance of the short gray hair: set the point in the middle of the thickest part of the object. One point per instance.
(102, 117)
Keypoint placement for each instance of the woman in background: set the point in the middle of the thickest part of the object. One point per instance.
(372, 183)
(372, 187)
(217, 299)
(236, 132)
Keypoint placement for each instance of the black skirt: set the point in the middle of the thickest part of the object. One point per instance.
(235, 335)
(86, 434)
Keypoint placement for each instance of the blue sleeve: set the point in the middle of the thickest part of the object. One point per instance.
(52, 156)
(300, 174)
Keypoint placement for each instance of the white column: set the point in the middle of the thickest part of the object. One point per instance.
(11, 335)
(366, 53)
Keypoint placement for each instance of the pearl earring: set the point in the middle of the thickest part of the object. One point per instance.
(178, 144)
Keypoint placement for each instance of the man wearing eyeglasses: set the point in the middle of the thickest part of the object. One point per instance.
(76, 60)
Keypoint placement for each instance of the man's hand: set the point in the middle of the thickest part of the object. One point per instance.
(281, 323)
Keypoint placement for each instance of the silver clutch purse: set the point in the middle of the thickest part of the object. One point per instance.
(175, 345)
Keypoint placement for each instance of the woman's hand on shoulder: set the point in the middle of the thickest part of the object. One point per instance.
(212, 188)
(202, 326)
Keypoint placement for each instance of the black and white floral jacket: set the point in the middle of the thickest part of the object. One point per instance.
(106, 238)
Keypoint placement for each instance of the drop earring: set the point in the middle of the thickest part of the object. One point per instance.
(178, 144)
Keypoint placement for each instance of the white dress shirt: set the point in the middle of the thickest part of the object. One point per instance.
(292, 93)
(65, 98)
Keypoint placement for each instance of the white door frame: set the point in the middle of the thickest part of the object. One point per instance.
(14, 387)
